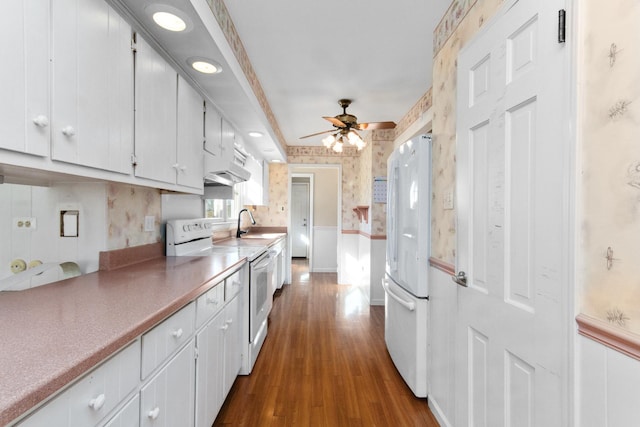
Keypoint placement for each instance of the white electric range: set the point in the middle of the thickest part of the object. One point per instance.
(193, 237)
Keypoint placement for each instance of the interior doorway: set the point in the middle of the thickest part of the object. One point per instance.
(322, 233)
(301, 220)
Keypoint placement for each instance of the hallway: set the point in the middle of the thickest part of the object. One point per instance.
(324, 363)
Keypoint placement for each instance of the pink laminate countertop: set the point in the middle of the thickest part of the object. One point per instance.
(52, 334)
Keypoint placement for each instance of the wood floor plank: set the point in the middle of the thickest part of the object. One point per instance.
(324, 363)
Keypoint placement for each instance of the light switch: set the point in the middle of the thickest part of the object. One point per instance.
(149, 223)
(69, 223)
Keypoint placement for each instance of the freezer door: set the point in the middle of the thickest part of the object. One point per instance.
(405, 333)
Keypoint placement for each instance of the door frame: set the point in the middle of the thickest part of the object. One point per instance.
(290, 175)
(310, 221)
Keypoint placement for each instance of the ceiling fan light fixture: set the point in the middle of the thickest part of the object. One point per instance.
(327, 141)
(338, 147)
(353, 138)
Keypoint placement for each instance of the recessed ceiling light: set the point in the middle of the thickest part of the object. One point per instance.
(169, 17)
(255, 134)
(276, 161)
(169, 21)
(204, 65)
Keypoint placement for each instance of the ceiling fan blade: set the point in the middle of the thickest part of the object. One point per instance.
(319, 133)
(336, 122)
(376, 125)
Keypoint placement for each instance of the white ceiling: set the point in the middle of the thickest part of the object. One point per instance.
(306, 55)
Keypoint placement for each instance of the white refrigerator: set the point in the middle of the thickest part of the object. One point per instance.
(408, 243)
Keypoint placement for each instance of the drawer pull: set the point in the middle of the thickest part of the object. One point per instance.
(97, 403)
(68, 131)
(177, 333)
(41, 121)
(153, 414)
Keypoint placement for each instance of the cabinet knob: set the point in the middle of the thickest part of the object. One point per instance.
(97, 403)
(183, 168)
(177, 333)
(153, 414)
(68, 131)
(41, 121)
(229, 321)
(224, 327)
(212, 301)
(175, 166)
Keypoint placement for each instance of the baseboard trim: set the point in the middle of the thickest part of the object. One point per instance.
(437, 412)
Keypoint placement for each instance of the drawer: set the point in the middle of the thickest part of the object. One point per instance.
(208, 304)
(165, 339)
(128, 416)
(232, 285)
(89, 400)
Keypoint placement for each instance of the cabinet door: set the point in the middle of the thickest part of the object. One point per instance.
(167, 400)
(232, 342)
(209, 371)
(155, 115)
(190, 136)
(228, 136)
(92, 116)
(212, 131)
(24, 77)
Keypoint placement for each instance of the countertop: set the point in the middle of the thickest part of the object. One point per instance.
(53, 334)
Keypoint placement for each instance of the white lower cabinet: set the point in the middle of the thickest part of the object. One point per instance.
(219, 360)
(168, 399)
(90, 400)
(129, 416)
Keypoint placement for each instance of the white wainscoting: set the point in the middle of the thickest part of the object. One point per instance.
(349, 260)
(378, 259)
(364, 266)
(441, 353)
(607, 386)
(324, 251)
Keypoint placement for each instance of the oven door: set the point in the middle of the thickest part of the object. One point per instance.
(261, 298)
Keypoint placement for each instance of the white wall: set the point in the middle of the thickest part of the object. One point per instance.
(325, 242)
(44, 242)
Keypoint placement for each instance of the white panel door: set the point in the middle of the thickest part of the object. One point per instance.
(155, 115)
(512, 178)
(24, 77)
(92, 86)
(299, 220)
(209, 371)
(190, 139)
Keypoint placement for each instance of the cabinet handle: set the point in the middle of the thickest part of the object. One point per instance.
(177, 333)
(97, 403)
(175, 166)
(229, 321)
(225, 327)
(212, 301)
(183, 168)
(153, 414)
(68, 131)
(41, 121)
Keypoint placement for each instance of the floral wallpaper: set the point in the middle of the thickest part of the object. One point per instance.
(609, 134)
(127, 205)
(276, 213)
(424, 103)
(461, 23)
(449, 22)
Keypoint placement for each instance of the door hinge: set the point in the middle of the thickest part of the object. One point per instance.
(134, 161)
(134, 46)
(195, 353)
(562, 25)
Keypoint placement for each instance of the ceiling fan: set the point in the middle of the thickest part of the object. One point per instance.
(346, 125)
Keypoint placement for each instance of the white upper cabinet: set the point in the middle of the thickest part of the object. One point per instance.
(92, 91)
(212, 131)
(24, 77)
(155, 115)
(190, 136)
(255, 191)
(169, 123)
(228, 135)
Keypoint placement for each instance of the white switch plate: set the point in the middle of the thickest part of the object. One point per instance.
(447, 201)
(24, 223)
(149, 223)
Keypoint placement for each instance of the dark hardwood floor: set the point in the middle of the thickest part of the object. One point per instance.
(324, 363)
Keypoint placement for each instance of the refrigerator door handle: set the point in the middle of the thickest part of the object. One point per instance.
(409, 305)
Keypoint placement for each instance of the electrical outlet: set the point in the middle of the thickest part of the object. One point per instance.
(149, 223)
(24, 223)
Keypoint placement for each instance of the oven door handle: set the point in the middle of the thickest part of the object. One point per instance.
(263, 264)
(409, 305)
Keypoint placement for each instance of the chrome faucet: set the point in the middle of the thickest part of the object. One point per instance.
(253, 221)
